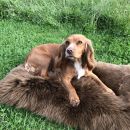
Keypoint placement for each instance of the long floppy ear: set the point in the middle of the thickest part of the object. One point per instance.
(61, 54)
(88, 56)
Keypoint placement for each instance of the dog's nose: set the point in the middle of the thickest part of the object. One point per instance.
(69, 51)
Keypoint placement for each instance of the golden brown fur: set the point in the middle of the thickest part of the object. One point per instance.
(76, 49)
(81, 52)
(38, 60)
(98, 110)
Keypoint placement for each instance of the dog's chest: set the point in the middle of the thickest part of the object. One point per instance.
(79, 70)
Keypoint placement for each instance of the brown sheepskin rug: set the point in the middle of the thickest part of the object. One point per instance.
(97, 110)
(113, 75)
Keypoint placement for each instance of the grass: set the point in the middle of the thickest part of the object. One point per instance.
(12, 119)
(25, 24)
(111, 16)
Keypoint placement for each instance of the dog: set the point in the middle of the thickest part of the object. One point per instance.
(38, 60)
(75, 57)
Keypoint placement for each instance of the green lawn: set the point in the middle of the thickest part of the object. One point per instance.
(23, 26)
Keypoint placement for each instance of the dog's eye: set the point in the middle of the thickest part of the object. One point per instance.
(79, 42)
(67, 42)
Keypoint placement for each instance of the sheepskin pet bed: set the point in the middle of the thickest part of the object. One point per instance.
(97, 110)
(113, 75)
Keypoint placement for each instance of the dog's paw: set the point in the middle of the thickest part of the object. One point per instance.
(74, 101)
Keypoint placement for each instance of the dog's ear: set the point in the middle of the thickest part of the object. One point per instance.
(61, 54)
(88, 56)
(62, 49)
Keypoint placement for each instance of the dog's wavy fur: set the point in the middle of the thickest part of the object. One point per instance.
(87, 58)
(97, 111)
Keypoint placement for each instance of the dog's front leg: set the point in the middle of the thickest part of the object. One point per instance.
(73, 97)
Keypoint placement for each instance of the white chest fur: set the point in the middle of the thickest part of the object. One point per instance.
(80, 71)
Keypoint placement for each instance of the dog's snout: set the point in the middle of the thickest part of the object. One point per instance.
(69, 51)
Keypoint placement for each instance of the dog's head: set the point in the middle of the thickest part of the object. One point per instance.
(78, 47)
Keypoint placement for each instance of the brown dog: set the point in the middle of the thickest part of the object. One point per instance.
(75, 57)
(38, 60)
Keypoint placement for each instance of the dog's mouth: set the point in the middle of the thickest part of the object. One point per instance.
(70, 57)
